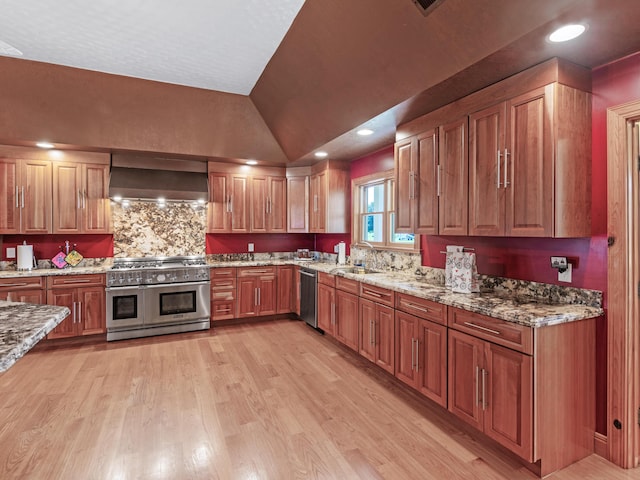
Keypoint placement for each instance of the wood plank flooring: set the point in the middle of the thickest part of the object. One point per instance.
(271, 400)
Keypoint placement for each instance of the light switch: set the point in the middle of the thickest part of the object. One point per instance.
(11, 252)
(250, 248)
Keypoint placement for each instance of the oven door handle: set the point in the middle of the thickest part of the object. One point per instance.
(124, 289)
(173, 285)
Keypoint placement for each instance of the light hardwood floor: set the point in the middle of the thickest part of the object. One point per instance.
(269, 400)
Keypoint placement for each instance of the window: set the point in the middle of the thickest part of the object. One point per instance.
(374, 214)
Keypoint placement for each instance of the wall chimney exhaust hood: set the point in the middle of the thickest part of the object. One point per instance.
(150, 178)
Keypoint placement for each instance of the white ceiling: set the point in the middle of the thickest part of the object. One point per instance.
(213, 44)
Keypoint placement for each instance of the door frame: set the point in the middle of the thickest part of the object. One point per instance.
(623, 287)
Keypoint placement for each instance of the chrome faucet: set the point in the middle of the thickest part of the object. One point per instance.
(374, 252)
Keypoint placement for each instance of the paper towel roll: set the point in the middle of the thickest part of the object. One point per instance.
(342, 253)
(25, 257)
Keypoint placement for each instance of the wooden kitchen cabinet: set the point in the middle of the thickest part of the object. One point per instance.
(453, 186)
(326, 302)
(330, 208)
(25, 196)
(347, 312)
(223, 293)
(525, 156)
(297, 204)
(416, 194)
(23, 289)
(491, 387)
(377, 329)
(288, 288)
(257, 292)
(80, 197)
(268, 204)
(228, 203)
(84, 295)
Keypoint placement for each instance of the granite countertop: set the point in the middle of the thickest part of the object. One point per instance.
(22, 325)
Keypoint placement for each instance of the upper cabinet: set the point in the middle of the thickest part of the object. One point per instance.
(297, 201)
(39, 195)
(329, 199)
(520, 166)
(268, 203)
(80, 196)
(228, 203)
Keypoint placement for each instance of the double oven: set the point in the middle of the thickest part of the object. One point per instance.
(170, 296)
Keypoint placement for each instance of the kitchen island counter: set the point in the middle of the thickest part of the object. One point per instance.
(22, 325)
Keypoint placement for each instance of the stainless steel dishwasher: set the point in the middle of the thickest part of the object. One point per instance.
(308, 289)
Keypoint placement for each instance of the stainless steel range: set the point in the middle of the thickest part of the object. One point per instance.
(157, 295)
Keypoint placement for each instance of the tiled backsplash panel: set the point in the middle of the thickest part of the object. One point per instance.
(144, 229)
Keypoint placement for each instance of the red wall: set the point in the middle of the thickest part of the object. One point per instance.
(46, 246)
(263, 243)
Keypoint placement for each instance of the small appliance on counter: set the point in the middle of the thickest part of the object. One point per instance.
(303, 254)
(26, 260)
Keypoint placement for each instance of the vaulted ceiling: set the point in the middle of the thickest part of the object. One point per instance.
(341, 65)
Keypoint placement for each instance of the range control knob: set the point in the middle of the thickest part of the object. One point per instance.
(161, 277)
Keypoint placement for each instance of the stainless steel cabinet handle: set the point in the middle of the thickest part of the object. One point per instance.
(255, 296)
(258, 296)
(506, 168)
(477, 385)
(498, 165)
(231, 203)
(84, 198)
(438, 181)
(484, 329)
(69, 282)
(413, 353)
(484, 389)
(416, 307)
(17, 197)
(372, 328)
(74, 312)
(412, 186)
(13, 284)
(372, 293)
(79, 312)
(22, 198)
(79, 198)
(417, 354)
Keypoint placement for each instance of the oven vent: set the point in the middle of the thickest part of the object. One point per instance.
(426, 6)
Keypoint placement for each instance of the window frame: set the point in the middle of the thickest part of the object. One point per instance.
(357, 184)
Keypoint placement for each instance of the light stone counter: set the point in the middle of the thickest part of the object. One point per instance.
(22, 325)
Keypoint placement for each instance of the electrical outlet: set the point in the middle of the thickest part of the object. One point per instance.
(11, 252)
(250, 247)
(566, 275)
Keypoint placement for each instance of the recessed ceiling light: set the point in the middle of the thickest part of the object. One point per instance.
(364, 132)
(566, 33)
(6, 49)
(251, 162)
(321, 154)
(45, 145)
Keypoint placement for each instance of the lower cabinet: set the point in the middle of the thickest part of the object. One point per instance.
(377, 333)
(326, 302)
(84, 295)
(223, 293)
(26, 289)
(421, 355)
(287, 288)
(491, 387)
(257, 294)
(346, 322)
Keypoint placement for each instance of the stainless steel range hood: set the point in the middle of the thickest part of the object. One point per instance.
(155, 177)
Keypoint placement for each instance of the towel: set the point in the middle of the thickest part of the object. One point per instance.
(464, 276)
(448, 272)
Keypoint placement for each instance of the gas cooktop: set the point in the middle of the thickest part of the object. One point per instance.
(158, 262)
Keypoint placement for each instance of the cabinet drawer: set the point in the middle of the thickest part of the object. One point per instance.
(256, 271)
(223, 289)
(21, 283)
(223, 310)
(377, 294)
(511, 335)
(75, 280)
(327, 279)
(420, 307)
(223, 272)
(348, 285)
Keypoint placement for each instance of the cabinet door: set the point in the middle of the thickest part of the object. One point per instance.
(432, 361)
(326, 308)
(427, 184)
(67, 197)
(487, 187)
(267, 295)
(64, 297)
(239, 203)
(9, 197)
(318, 202)
(91, 310)
(218, 216)
(406, 348)
(367, 340)
(247, 297)
(405, 163)
(96, 211)
(276, 205)
(465, 370)
(508, 399)
(346, 323)
(36, 190)
(530, 166)
(259, 199)
(286, 289)
(454, 178)
(384, 337)
(297, 204)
